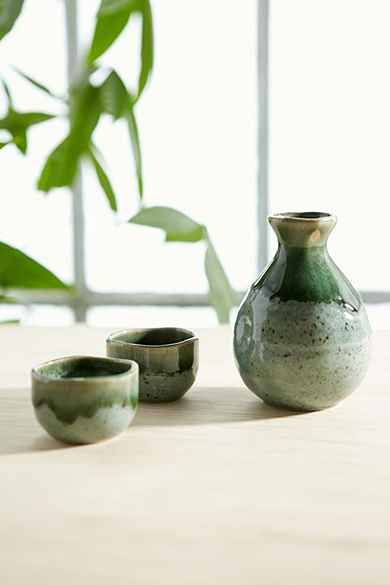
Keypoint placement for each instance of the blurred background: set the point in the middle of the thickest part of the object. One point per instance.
(249, 109)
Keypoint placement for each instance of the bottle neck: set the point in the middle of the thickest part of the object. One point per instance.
(302, 230)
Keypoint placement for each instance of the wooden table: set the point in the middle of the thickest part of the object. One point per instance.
(214, 489)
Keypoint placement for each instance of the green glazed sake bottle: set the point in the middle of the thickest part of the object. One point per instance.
(302, 336)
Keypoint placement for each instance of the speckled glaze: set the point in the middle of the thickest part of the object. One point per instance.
(302, 336)
(84, 399)
(167, 358)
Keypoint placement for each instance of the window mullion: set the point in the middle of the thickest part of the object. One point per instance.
(262, 132)
(78, 217)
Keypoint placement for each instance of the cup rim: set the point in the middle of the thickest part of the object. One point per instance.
(41, 376)
(112, 337)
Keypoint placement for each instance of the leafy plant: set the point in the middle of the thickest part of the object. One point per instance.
(86, 103)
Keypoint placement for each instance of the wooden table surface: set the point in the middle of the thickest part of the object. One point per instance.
(214, 489)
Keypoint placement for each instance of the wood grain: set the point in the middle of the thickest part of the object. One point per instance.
(216, 488)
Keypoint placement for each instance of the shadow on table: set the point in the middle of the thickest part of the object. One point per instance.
(17, 444)
(209, 405)
(19, 430)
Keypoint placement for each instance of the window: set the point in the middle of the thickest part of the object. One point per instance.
(204, 124)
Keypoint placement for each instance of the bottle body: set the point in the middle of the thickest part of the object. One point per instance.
(302, 337)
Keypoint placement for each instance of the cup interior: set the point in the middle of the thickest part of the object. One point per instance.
(153, 337)
(82, 367)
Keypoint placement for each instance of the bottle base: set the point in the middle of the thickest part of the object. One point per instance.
(297, 408)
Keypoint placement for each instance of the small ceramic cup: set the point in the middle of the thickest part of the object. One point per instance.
(84, 399)
(167, 358)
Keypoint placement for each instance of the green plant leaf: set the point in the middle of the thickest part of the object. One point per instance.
(85, 112)
(114, 96)
(147, 46)
(111, 19)
(136, 148)
(17, 123)
(178, 227)
(7, 91)
(113, 6)
(27, 119)
(103, 180)
(20, 140)
(19, 271)
(118, 102)
(7, 300)
(23, 120)
(221, 295)
(38, 85)
(9, 12)
(60, 168)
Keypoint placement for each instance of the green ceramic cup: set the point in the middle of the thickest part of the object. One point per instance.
(167, 358)
(82, 399)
